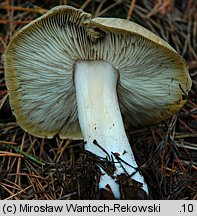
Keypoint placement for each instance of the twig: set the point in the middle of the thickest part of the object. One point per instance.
(131, 8)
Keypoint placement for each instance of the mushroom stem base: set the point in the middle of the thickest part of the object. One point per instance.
(100, 119)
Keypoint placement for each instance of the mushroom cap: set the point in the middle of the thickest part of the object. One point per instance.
(40, 62)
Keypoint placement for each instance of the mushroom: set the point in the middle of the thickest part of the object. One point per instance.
(72, 75)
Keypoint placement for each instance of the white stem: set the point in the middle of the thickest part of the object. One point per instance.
(100, 118)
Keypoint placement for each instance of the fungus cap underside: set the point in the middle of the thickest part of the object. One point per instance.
(40, 62)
